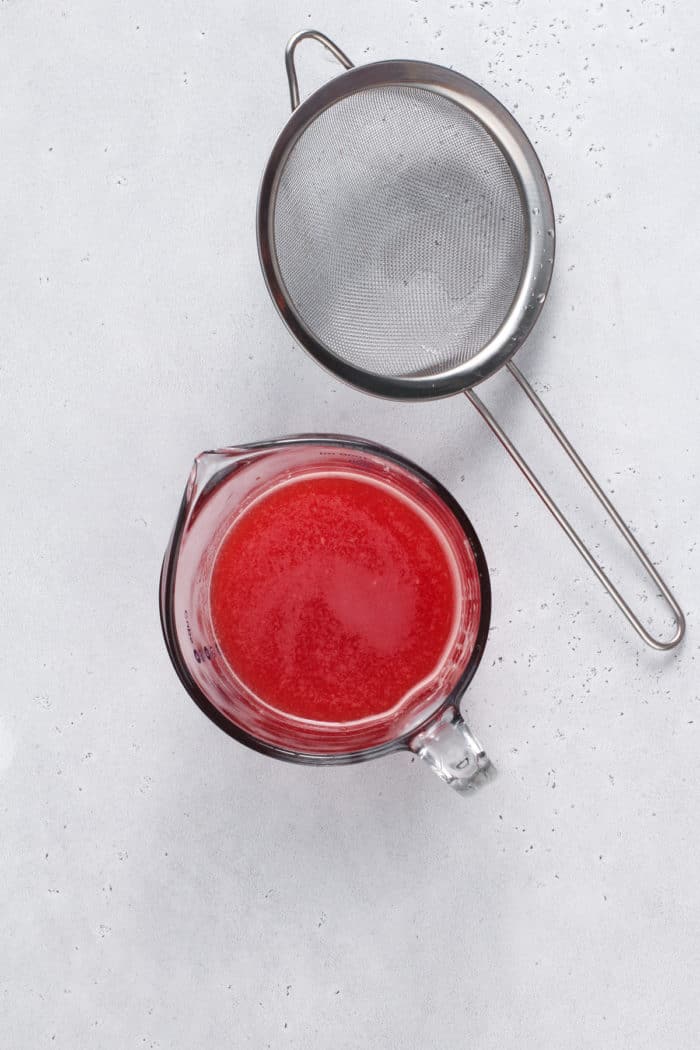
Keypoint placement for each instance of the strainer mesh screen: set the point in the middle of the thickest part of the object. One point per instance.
(398, 231)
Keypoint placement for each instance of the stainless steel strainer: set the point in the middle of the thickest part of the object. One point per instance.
(406, 234)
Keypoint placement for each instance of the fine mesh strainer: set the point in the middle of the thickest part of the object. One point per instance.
(406, 234)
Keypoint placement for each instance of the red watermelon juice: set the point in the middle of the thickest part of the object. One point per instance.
(336, 598)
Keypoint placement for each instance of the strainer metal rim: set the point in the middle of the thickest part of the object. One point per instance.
(538, 219)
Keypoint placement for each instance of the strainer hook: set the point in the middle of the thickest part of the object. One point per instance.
(308, 34)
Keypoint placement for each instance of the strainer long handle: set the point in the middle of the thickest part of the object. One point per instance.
(308, 34)
(583, 550)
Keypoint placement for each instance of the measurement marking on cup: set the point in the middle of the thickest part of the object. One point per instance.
(205, 652)
(200, 652)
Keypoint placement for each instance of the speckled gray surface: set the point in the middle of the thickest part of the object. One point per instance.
(162, 886)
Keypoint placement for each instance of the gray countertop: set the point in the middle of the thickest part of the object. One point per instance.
(163, 886)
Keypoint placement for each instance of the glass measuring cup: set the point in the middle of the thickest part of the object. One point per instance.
(221, 486)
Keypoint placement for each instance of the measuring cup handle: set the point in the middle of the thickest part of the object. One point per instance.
(603, 499)
(453, 752)
(308, 34)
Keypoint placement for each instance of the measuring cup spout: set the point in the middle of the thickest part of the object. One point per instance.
(205, 470)
(215, 466)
